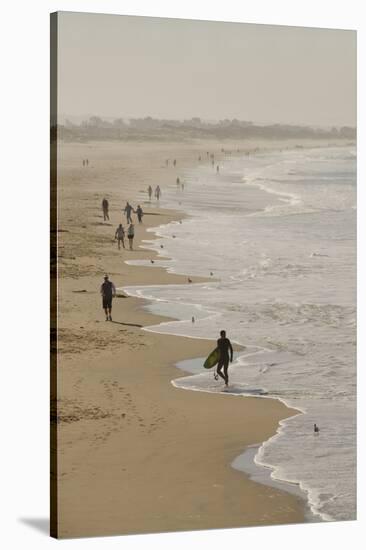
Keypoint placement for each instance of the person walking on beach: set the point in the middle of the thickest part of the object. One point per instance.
(224, 346)
(178, 182)
(128, 209)
(158, 192)
(139, 213)
(174, 162)
(105, 208)
(120, 236)
(131, 234)
(149, 190)
(217, 169)
(108, 291)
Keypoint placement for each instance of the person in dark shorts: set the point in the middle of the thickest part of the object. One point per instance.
(224, 346)
(105, 208)
(120, 236)
(108, 291)
(131, 234)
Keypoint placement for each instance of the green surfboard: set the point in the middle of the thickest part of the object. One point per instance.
(212, 359)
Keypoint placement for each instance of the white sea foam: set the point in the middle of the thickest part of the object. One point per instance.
(278, 232)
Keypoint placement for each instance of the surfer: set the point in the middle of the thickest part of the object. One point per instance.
(108, 291)
(224, 346)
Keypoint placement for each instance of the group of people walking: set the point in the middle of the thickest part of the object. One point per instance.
(157, 192)
(108, 289)
(120, 232)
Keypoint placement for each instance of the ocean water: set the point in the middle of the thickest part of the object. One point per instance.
(275, 232)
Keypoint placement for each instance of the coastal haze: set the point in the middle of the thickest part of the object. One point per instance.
(124, 66)
(250, 133)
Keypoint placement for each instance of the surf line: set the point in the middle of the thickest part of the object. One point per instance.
(247, 462)
(137, 291)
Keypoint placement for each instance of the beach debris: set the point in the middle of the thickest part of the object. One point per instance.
(152, 261)
(161, 246)
(189, 280)
(78, 291)
(211, 273)
(173, 236)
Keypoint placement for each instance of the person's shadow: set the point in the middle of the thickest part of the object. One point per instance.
(40, 524)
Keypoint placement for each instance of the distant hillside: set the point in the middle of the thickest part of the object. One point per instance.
(96, 128)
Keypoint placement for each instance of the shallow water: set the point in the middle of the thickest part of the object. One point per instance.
(278, 229)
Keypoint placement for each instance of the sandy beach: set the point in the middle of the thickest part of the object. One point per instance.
(136, 454)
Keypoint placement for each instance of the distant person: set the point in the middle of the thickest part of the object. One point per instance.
(87, 162)
(199, 158)
(174, 162)
(158, 192)
(130, 235)
(316, 429)
(149, 190)
(217, 169)
(139, 213)
(213, 163)
(224, 346)
(108, 291)
(83, 162)
(182, 185)
(178, 182)
(120, 236)
(128, 211)
(167, 162)
(105, 208)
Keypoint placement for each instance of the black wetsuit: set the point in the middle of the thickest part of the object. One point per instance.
(224, 346)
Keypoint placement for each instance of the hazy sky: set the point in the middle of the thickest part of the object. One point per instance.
(123, 66)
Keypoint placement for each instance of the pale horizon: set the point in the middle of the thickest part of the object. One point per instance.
(116, 66)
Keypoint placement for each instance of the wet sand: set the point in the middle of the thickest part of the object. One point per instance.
(136, 454)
